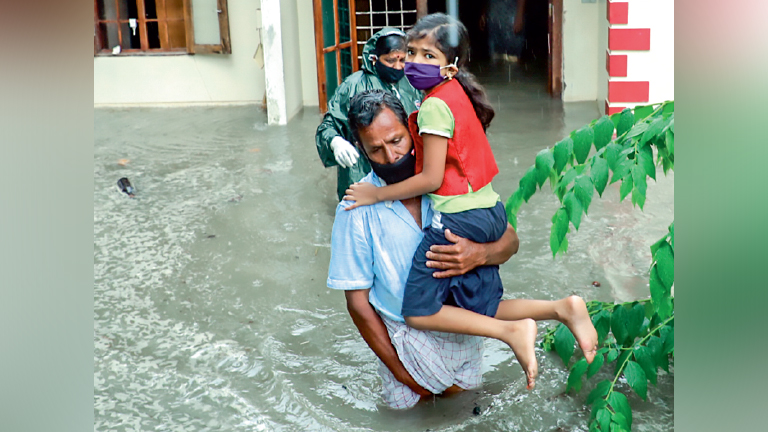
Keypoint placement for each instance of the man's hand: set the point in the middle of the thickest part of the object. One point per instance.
(362, 194)
(464, 255)
(456, 259)
(345, 153)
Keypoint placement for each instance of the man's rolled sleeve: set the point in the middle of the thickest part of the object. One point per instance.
(351, 264)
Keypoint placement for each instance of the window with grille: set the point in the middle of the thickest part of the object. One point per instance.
(373, 15)
(125, 27)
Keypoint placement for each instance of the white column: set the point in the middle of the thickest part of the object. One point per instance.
(274, 74)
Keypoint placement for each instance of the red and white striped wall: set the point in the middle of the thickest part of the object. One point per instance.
(640, 59)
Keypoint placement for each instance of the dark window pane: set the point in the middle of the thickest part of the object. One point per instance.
(331, 77)
(346, 63)
(130, 40)
(379, 20)
(106, 9)
(128, 9)
(150, 10)
(329, 25)
(362, 5)
(344, 30)
(394, 20)
(108, 35)
(153, 35)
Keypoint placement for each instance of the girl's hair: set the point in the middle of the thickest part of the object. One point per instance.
(452, 39)
(387, 44)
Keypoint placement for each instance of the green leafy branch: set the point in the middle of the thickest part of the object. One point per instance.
(627, 156)
(637, 336)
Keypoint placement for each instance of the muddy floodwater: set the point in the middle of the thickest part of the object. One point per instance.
(211, 311)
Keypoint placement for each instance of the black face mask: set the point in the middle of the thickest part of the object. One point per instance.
(395, 172)
(388, 74)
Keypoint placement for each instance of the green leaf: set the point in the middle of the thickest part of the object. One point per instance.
(642, 112)
(635, 322)
(603, 132)
(574, 377)
(560, 226)
(622, 170)
(613, 354)
(564, 343)
(602, 323)
(582, 143)
(668, 107)
(636, 379)
(672, 236)
(595, 366)
(604, 420)
(655, 346)
(637, 129)
(514, 202)
(668, 339)
(655, 246)
(670, 141)
(619, 323)
(645, 159)
(626, 187)
(573, 208)
(620, 405)
(638, 198)
(512, 219)
(562, 153)
(528, 183)
(544, 163)
(654, 129)
(611, 154)
(600, 390)
(567, 179)
(638, 179)
(622, 358)
(665, 260)
(599, 174)
(583, 188)
(619, 423)
(645, 360)
(597, 406)
(626, 121)
(659, 294)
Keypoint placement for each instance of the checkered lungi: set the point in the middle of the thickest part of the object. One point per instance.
(435, 360)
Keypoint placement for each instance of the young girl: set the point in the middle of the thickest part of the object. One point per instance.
(455, 166)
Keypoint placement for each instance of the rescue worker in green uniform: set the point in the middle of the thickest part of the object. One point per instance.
(383, 64)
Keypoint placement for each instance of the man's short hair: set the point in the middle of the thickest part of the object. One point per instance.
(365, 106)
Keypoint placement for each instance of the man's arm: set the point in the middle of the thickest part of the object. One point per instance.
(464, 255)
(374, 332)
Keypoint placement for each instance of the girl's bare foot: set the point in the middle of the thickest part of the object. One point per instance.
(522, 339)
(575, 316)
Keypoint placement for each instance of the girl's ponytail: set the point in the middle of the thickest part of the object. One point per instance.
(477, 96)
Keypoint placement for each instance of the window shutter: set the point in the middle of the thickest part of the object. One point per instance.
(207, 24)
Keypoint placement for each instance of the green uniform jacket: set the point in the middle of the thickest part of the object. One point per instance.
(335, 121)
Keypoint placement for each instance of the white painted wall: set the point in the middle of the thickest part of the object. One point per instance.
(580, 40)
(199, 78)
(291, 56)
(657, 65)
(307, 52)
(602, 48)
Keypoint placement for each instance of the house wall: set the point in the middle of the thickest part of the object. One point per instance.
(307, 52)
(292, 70)
(602, 48)
(199, 78)
(646, 61)
(580, 58)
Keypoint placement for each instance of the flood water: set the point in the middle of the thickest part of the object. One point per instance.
(211, 311)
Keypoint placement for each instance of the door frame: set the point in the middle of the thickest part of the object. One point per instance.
(555, 60)
(320, 51)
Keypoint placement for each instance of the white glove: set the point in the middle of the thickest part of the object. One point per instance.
(345, 153)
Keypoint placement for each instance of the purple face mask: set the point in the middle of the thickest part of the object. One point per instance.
(424, 76)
